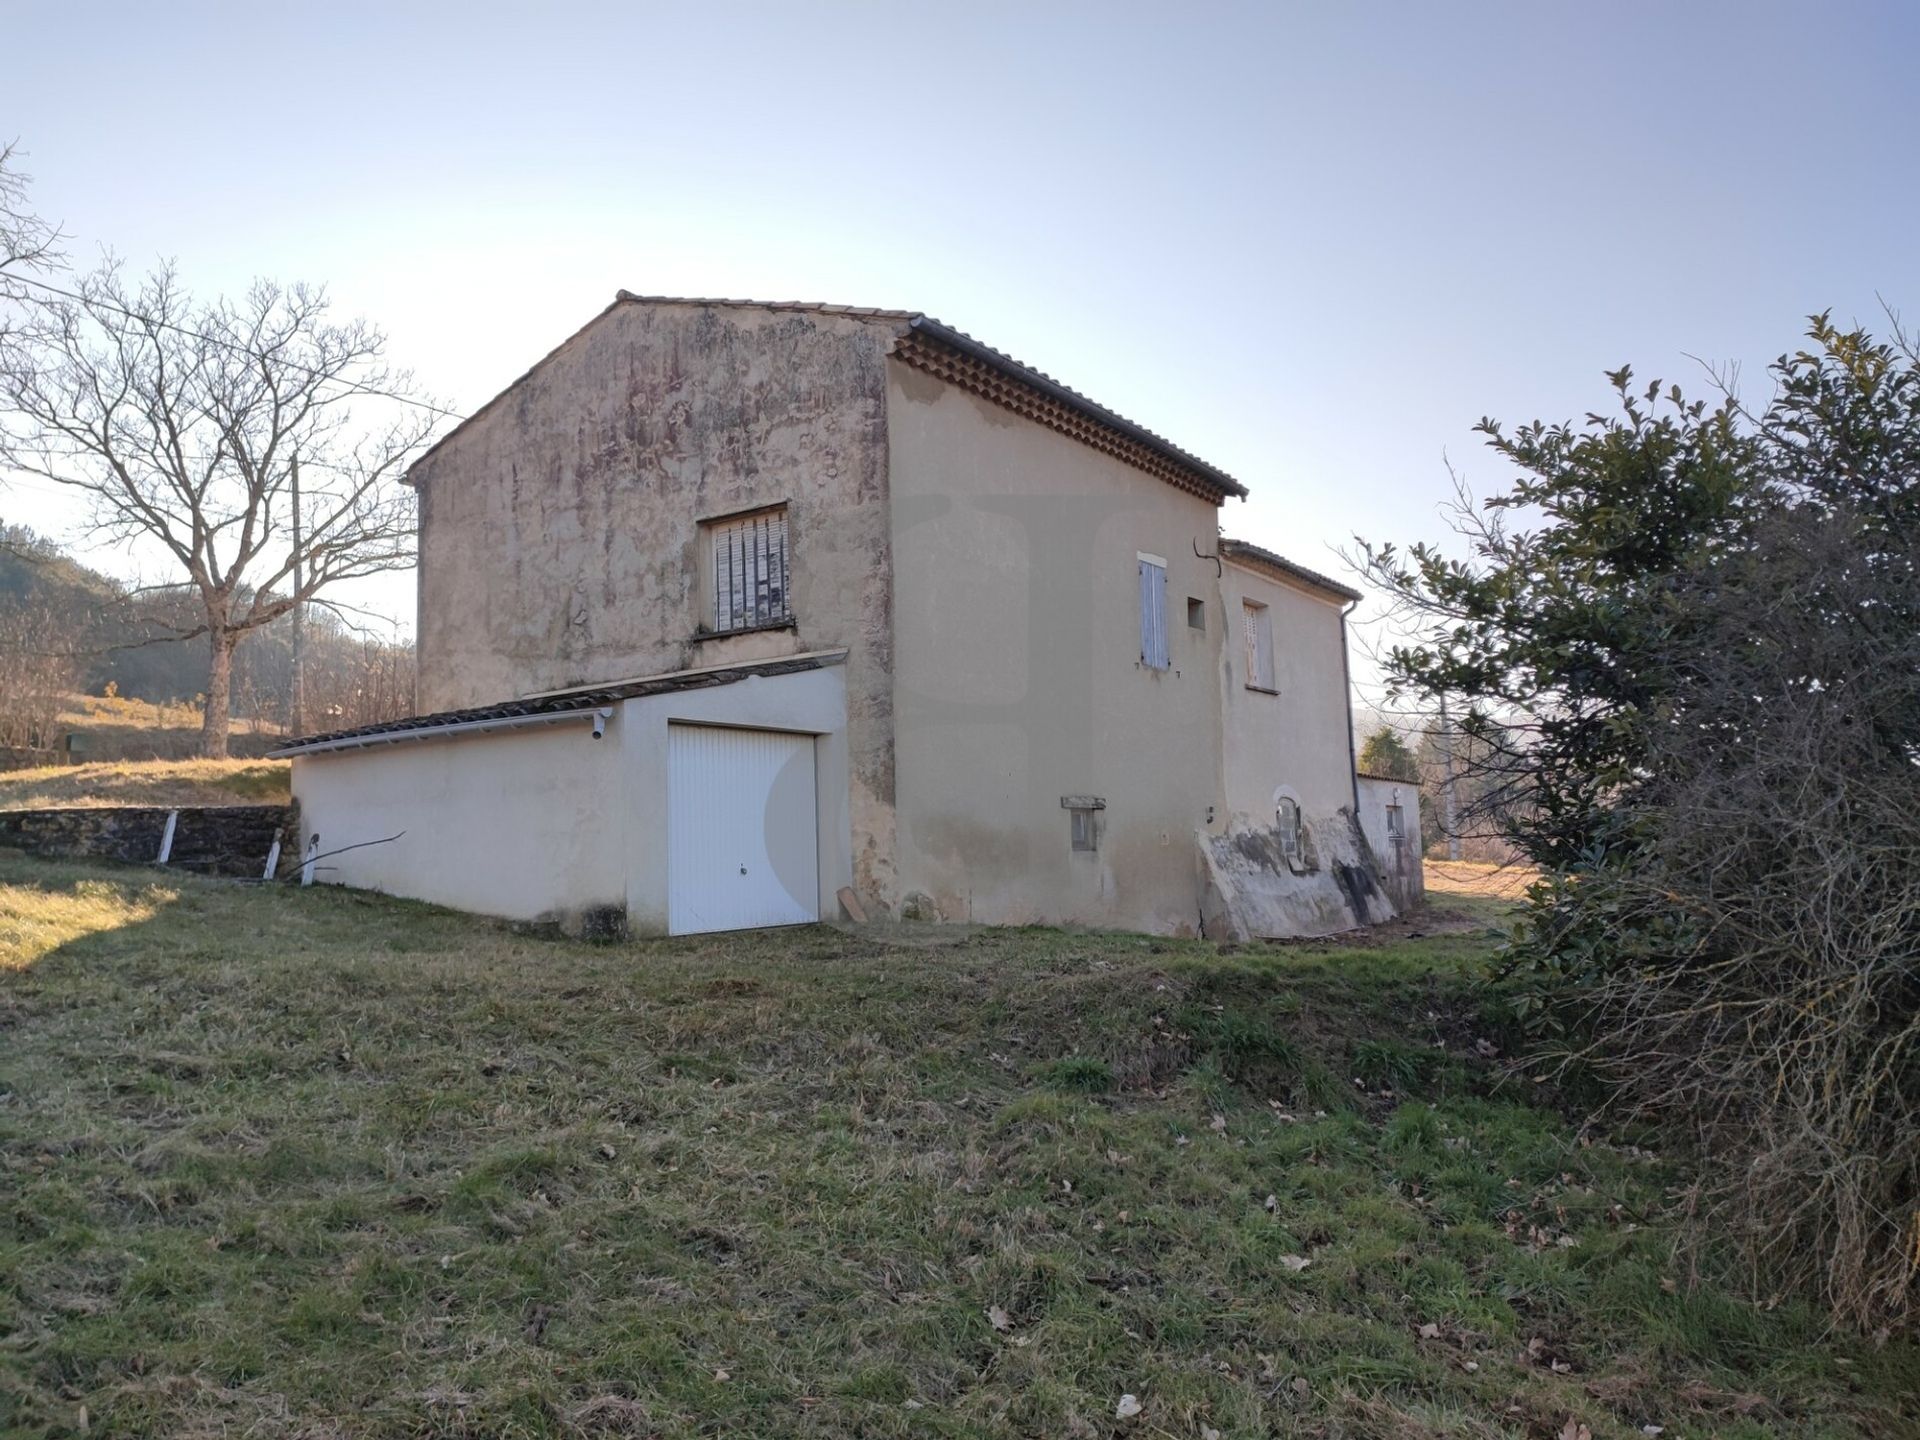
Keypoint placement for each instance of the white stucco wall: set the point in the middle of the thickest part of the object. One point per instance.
(561, 527)
(1401, 872)
(512, 823)
(1017, 674)
(1296, 740)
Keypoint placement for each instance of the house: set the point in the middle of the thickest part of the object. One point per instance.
(737, 614)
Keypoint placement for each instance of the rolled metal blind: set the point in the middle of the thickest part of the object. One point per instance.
(750, 571)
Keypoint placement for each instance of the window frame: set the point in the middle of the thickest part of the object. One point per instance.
(1289, 833)
(1256, 629)
(764, 595)
(1083, 822)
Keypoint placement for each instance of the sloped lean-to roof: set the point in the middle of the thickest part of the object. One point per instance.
(555, 705)
(953, 355)
(1253, 555)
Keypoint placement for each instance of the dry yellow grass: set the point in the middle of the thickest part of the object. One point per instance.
(35, 921)
(113, 727)
(1478, 879)
(120, 711)
(147, 782)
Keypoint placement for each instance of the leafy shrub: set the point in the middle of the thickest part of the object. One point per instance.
(1693, 676)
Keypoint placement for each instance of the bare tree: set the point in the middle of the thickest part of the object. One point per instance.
(181, 423)
(37, 670)
(26, 241)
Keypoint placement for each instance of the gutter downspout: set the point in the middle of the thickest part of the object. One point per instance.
(1346, 680)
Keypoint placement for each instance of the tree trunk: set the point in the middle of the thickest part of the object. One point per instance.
(215, 720)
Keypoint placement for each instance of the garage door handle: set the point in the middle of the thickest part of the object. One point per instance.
(743, 869)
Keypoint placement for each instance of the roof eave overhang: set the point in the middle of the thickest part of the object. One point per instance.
(450, 731)
(1188, 471)
(1278, 567)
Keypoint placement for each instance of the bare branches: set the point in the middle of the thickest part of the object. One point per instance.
(27, 243)
(37, 667)
(1772, 930)
(178, 424)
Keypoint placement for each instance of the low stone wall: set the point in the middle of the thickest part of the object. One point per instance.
(207, 839)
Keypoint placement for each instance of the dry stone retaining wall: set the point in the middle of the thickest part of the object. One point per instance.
(207, 839)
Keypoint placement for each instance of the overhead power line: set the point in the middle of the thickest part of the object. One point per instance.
(207, 339)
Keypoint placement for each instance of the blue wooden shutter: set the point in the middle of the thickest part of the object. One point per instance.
(1153, 615)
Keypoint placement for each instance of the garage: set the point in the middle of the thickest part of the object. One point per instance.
(742, 832)
(684, 803)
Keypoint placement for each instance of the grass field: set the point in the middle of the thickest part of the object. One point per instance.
(140, 754)
(1450, 880)
(284, 1162)
(116, 727)
(147, 782)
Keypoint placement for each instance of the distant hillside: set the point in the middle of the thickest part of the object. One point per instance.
(127, 646)
(33, 569)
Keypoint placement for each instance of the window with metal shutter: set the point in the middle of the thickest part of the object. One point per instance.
(750, 571)
(1153, 615)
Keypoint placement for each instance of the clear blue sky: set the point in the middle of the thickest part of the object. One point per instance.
(1311, 242)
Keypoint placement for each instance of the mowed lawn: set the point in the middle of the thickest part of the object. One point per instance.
(276, 1162)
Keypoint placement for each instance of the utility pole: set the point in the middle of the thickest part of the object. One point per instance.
(1449, 810)
(297, 699)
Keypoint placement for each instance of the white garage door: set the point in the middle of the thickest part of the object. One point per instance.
(741, 832)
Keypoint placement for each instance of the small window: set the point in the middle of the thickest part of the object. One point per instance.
(1259, 637)
(1196, 614)
(1153, 612)
(1083, 826)
(1396, 823)
(750, 570)
(1287, 823)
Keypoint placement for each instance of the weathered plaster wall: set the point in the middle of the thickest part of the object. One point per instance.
(1018, 677)
(559, 529)
(1253, 891)
(1295, 740)
(1401, 873)
(512, 823)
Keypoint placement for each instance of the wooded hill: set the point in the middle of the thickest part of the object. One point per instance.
(66, 627)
